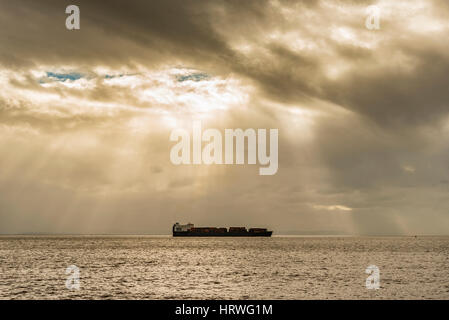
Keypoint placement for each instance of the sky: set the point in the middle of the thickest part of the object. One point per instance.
(362, 114)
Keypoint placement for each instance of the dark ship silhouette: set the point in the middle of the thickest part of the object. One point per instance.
(189, 230)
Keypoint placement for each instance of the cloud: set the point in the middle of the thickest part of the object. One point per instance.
(332, 207)
(409, 169)
(362, 115)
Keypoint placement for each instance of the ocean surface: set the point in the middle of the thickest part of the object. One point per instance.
(162, 267)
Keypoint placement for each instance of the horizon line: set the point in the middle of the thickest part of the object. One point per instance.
(274, 235)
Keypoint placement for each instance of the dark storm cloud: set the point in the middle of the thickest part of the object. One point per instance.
(111, 33)
(395, 97)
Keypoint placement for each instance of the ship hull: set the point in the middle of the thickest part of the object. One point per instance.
(224, 234)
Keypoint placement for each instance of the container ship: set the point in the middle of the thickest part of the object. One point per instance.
(189, 230)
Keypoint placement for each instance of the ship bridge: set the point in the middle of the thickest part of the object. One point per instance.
(182, 227)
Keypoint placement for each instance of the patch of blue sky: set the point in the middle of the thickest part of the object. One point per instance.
(112, 76)
(72, 76)
(108, 76)
(192, 77)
